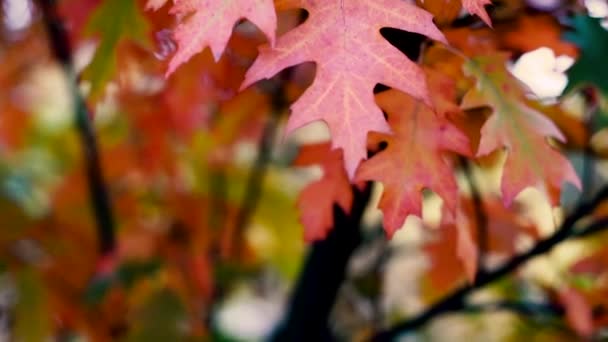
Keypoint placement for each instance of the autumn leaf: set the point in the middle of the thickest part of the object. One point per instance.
(578, 311)
(316, 201)
(477, 7)
(593, 265)
(531, 32)
(456, 248)
(210, 23)
(592, 270)
(445, 270)
(531, 161)
(443, 11)
(414, 159)
(503, 229)
(445, 94)
(344, 40)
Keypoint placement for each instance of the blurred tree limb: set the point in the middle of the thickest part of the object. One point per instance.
(322, 275)
(456, 300)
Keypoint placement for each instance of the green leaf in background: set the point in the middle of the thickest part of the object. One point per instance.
(112, 22)
(590, 68)
(32, 318)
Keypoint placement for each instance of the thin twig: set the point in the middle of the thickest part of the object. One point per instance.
(98, 193)
(526, 308)
(595, 227)
(456, 300)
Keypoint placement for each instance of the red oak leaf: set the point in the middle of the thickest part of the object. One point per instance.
(317, 200)
(210, 23)
(459, 237)
(343, 38)
(414, 158)
(593, 265)
(503, 229)
(531, 161)
(477, 7)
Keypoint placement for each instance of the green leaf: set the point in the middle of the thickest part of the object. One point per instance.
(113, 21)
(590, 68)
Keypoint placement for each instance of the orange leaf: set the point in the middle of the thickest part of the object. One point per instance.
(578, 311)
(531, 32)
(444, 11)
(414, 159)
(316, 201)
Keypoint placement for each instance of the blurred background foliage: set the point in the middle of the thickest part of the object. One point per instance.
(203, 195)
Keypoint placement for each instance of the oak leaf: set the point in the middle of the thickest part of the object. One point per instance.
(503, 228)
(210, 23)
(578, 311)
(459, 237)
(414, 159)
(531, 161)
(317, 200)
(343, 38)
(445, 270)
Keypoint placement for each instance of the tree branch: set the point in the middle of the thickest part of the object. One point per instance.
(100, 202)
(525, 308)
(456, 300)
(321, 277)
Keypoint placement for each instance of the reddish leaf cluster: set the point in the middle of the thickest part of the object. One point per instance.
(177, 95)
